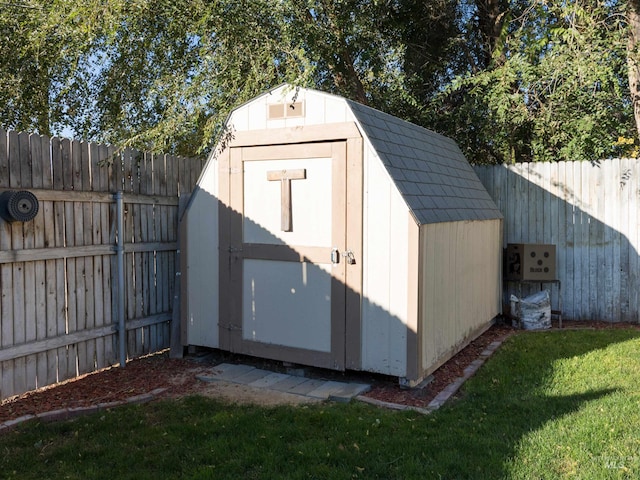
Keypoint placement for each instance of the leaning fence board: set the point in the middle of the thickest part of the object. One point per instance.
(57, 293)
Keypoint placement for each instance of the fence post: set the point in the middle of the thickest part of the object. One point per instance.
(122, 329)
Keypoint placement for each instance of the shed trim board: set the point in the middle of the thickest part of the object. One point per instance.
(301, 134)
(414, 302)
(346, 212)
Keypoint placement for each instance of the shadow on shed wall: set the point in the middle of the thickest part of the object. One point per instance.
(445, 428)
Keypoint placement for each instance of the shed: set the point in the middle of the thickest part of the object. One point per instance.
(326, 233)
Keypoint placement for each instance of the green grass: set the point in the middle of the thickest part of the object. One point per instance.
(547, 405)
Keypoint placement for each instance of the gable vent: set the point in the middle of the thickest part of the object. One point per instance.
(285, 110)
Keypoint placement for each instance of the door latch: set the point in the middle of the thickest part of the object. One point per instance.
(349, 256)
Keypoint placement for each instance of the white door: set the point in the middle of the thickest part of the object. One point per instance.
(288, 254)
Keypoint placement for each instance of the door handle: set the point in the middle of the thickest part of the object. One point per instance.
(335, 256)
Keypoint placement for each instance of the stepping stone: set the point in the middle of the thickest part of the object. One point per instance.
(288, 384)
(325, 390)
(348, 391)
(251, 376)
(269, 380)
(306, 386)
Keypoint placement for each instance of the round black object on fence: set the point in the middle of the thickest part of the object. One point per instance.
(18, 206)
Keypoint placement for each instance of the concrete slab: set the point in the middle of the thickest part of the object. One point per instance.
(306, 387)
(348, 391)
(251, 376)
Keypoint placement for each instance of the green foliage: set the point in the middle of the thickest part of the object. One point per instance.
(559, 91)
(154, 75)
(509, 80)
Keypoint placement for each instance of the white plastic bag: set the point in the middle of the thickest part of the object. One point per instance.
(534, 311)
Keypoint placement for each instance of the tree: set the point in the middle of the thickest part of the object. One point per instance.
(28, 71)
(633, 58)
(510, 80)
(160, 75)
(547, 82)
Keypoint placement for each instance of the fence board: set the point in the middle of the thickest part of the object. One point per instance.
(628, 258)
(57, 296)
(40, 165)
(634, 239)
(591, 212)
(19, 170)
(87, 361)
(6, 280)
(4, 232)
(59, 317)
(49, 240)
(107, 239)
(560, 225)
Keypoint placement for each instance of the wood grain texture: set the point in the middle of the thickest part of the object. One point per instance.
(57, 294)
(590, 212)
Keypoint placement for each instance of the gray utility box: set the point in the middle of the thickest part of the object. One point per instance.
(530, 261)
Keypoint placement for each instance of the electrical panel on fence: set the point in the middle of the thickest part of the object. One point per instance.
(530, 262)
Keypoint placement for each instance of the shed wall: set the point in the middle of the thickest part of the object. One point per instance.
(318, 110)
(385, 272)
(460, 285)
(202, 261)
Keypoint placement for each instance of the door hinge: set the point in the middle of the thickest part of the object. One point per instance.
(233, 249)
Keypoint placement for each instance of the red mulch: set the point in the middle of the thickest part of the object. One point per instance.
(443, 376)
(110, 385)
(178, 377)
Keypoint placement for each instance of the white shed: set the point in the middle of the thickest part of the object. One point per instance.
(326, 233)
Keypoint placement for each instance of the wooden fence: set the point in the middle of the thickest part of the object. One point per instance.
(591, 212)
(58, 282)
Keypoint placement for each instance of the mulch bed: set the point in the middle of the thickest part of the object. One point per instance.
(178, 377)
(110, 385)
(443, 376)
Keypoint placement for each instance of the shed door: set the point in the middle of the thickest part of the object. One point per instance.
(287, 263)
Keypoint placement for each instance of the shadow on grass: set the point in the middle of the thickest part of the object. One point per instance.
(515, 396)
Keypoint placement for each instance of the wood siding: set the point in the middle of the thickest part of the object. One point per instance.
(590, 212)
(58, 272)
(385, 275)
(424, 291)
(459, 286)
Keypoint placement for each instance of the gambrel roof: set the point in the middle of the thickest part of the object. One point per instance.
(430, 171)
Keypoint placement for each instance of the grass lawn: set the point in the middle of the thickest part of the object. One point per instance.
(547, 405)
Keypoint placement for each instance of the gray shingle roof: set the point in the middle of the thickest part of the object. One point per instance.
(429, 169)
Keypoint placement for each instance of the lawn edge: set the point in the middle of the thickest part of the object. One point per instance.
(74, 412)
(450, 390)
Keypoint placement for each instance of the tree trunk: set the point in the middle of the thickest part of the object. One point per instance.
(343, 70)
(491, 17)
(633, 58)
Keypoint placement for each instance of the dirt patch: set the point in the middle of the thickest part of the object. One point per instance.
(178, 378)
